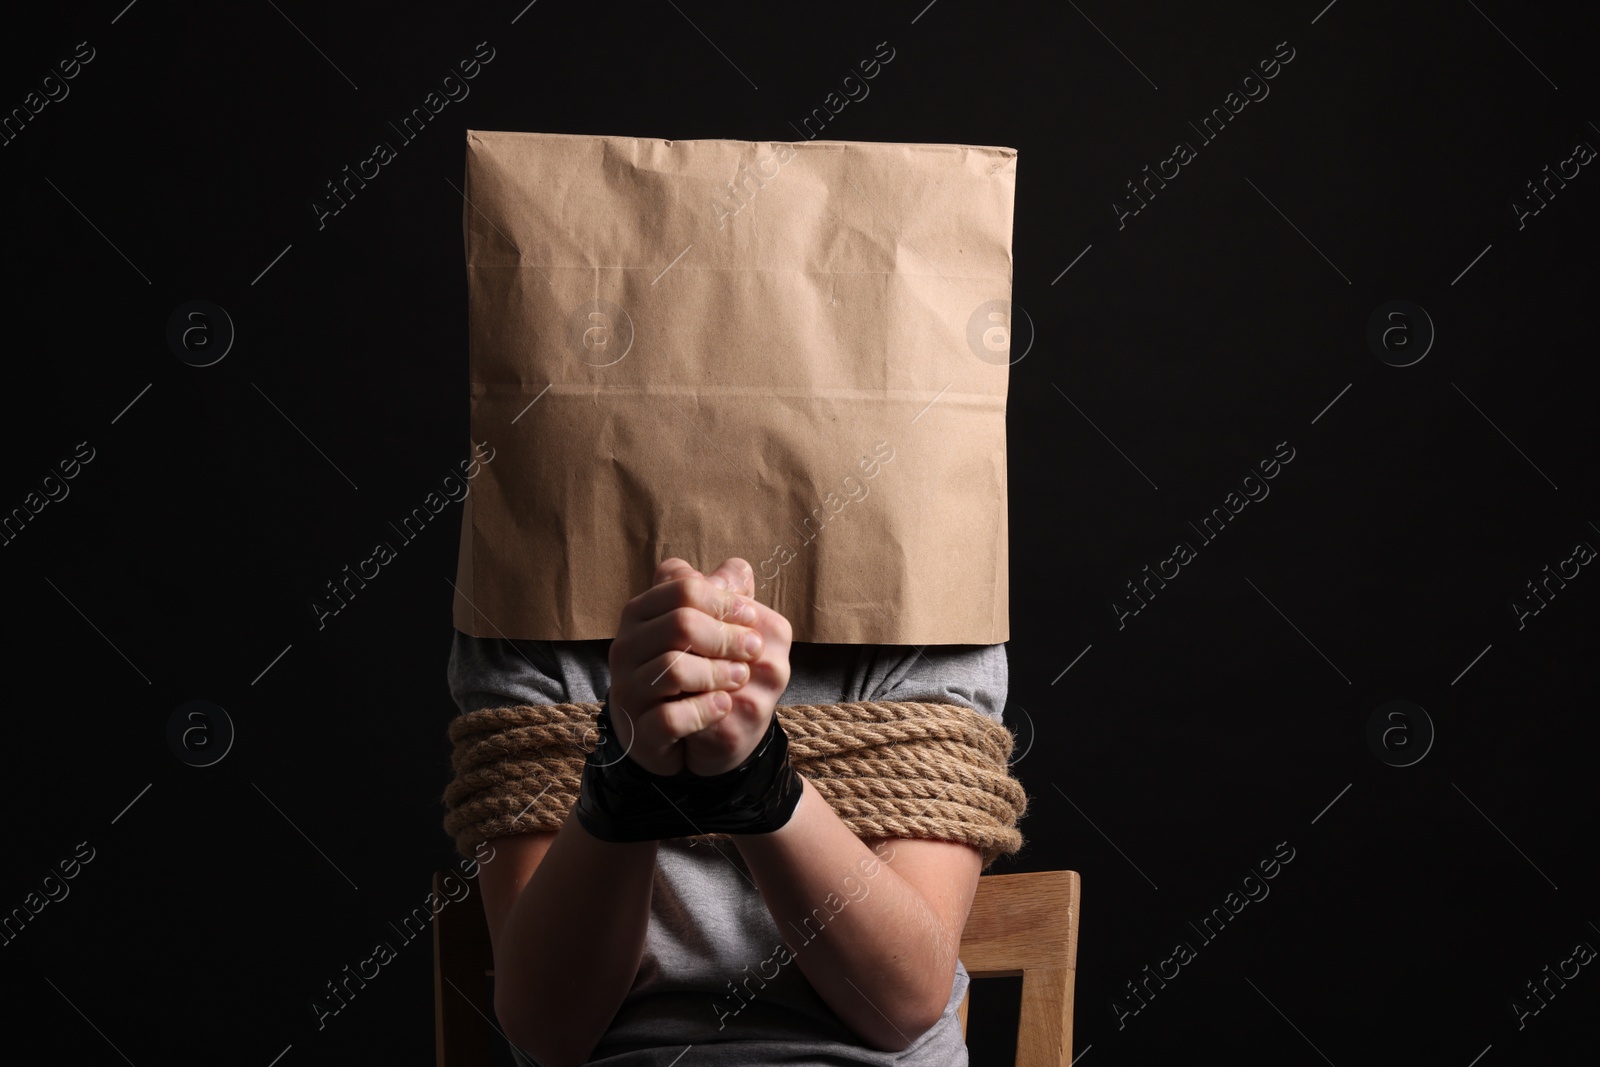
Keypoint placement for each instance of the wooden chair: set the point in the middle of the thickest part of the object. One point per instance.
(1020, 924)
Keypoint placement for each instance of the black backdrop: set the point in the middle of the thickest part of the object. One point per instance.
(1169, 346)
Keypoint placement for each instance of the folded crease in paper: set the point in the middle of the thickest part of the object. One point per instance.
(723, 348)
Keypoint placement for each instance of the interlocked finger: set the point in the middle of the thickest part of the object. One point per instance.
(680, 671)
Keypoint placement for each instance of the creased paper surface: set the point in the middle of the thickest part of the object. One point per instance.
(788, 352)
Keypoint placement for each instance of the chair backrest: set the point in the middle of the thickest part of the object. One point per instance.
(1020, 924)
(1027, 924)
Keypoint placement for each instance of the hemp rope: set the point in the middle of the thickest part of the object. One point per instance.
(902, 769)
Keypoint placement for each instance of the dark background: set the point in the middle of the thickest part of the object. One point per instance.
(1180, 348)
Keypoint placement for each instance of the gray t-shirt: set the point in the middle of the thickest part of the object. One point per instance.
(710, 932)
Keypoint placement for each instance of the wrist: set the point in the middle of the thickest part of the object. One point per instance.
(804, 793)
(619, 801)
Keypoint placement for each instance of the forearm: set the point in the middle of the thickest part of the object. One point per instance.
(571, 944)
(863, 936)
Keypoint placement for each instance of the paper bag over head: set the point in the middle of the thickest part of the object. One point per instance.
(795, 353)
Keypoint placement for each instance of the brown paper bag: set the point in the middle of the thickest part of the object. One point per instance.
(794, 353)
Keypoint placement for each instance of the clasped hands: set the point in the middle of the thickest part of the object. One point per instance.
(687, 692)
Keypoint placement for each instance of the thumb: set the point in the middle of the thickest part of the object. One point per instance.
(735, 574)
(672, 568)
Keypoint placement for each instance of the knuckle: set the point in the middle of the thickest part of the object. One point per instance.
(697, 713)
(682, 623)
(719, 601)
(677, 671)
(667, 722)
(715, 734)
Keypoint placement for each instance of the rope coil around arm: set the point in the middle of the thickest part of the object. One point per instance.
(903, 769)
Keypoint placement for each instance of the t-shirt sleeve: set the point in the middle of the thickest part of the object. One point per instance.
(976, 676)
(493, 672)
